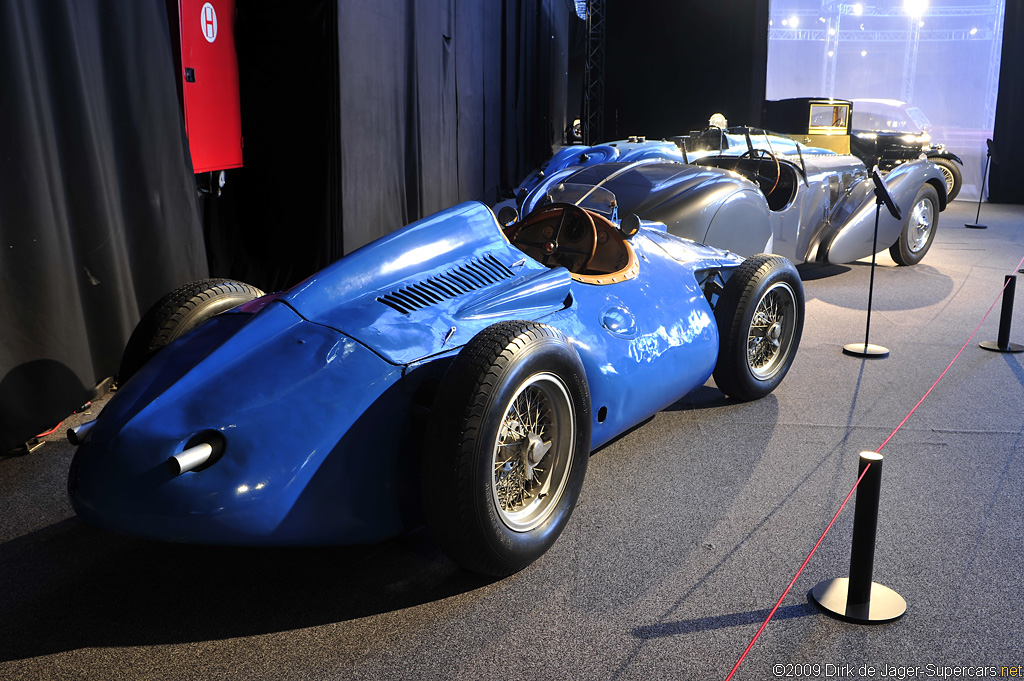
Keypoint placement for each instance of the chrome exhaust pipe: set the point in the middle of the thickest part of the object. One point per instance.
(80, 433)
(190, 459)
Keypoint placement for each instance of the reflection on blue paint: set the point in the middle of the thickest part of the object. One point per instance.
(619, 321)
(245, 489)
(342, 349)
(649, 347)
(418, 255)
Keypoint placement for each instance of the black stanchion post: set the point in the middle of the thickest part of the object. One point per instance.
(865, 525)
(1003, 344)
(981, 194)
(856, 598)
(882, 197)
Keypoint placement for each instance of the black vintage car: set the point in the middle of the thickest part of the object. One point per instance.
(890, 132)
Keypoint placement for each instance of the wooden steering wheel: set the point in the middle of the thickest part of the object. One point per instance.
(557, 235)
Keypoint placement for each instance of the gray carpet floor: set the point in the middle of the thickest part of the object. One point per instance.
(688, 531)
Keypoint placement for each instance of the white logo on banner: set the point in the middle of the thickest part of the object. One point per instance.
(209, 23)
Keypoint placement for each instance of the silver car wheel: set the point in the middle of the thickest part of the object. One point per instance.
(533, 452)
(921, 222)
(772, 330)
(947, 177)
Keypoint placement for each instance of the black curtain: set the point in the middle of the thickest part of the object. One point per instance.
(670, 65)
(443, 101)
(1005, 185)
(98, 215)
(270, 225)
(366, 115)
(358, 117)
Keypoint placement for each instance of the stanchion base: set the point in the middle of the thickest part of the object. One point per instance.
(885, 604)
(994, 346)
(869, 350)
(976, 226)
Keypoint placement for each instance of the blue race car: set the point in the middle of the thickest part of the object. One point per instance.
(713, 141)
(456, 371)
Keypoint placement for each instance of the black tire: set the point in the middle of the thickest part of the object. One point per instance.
(918, 228)
(177, 313)
(952, 174)
(491, 516)
(760, 317)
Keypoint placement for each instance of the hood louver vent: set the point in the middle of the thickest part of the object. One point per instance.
(474, 275)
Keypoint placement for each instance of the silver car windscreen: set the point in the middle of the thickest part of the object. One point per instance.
(590, 197)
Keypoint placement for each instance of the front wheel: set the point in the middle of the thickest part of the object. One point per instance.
(507, 448)
(760, 317)
(919, 228)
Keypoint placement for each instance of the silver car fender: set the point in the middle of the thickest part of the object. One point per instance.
(850, 231)
(742, 224)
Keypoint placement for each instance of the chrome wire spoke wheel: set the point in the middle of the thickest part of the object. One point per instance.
(772, 330)
(921, 222)
(533, 452)
(760, 316)
(947, 177)
(507, 449)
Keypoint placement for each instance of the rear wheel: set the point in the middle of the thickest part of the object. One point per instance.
(177, 313)
(919, 228)
(507, 448)
(760, 317)
(951, 174)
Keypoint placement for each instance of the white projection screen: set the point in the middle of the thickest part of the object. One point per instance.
(938, 57)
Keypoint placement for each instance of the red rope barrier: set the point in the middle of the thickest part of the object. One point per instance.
(973, 333)
(793, 581)
(843, 505)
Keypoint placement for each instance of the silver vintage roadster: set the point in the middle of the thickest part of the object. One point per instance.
(805, 203)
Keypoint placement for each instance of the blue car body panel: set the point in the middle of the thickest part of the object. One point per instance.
(636, 149)
(620, 151)
(317, 393)
(403, 293)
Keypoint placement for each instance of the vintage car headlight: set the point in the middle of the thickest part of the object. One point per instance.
(915, 139)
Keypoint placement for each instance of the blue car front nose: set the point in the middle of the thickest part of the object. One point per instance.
(275, 399)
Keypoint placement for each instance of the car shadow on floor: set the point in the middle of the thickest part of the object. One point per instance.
(677, 627)
(896, 288)
(69, 586)
(815, 271)
(704, 397)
